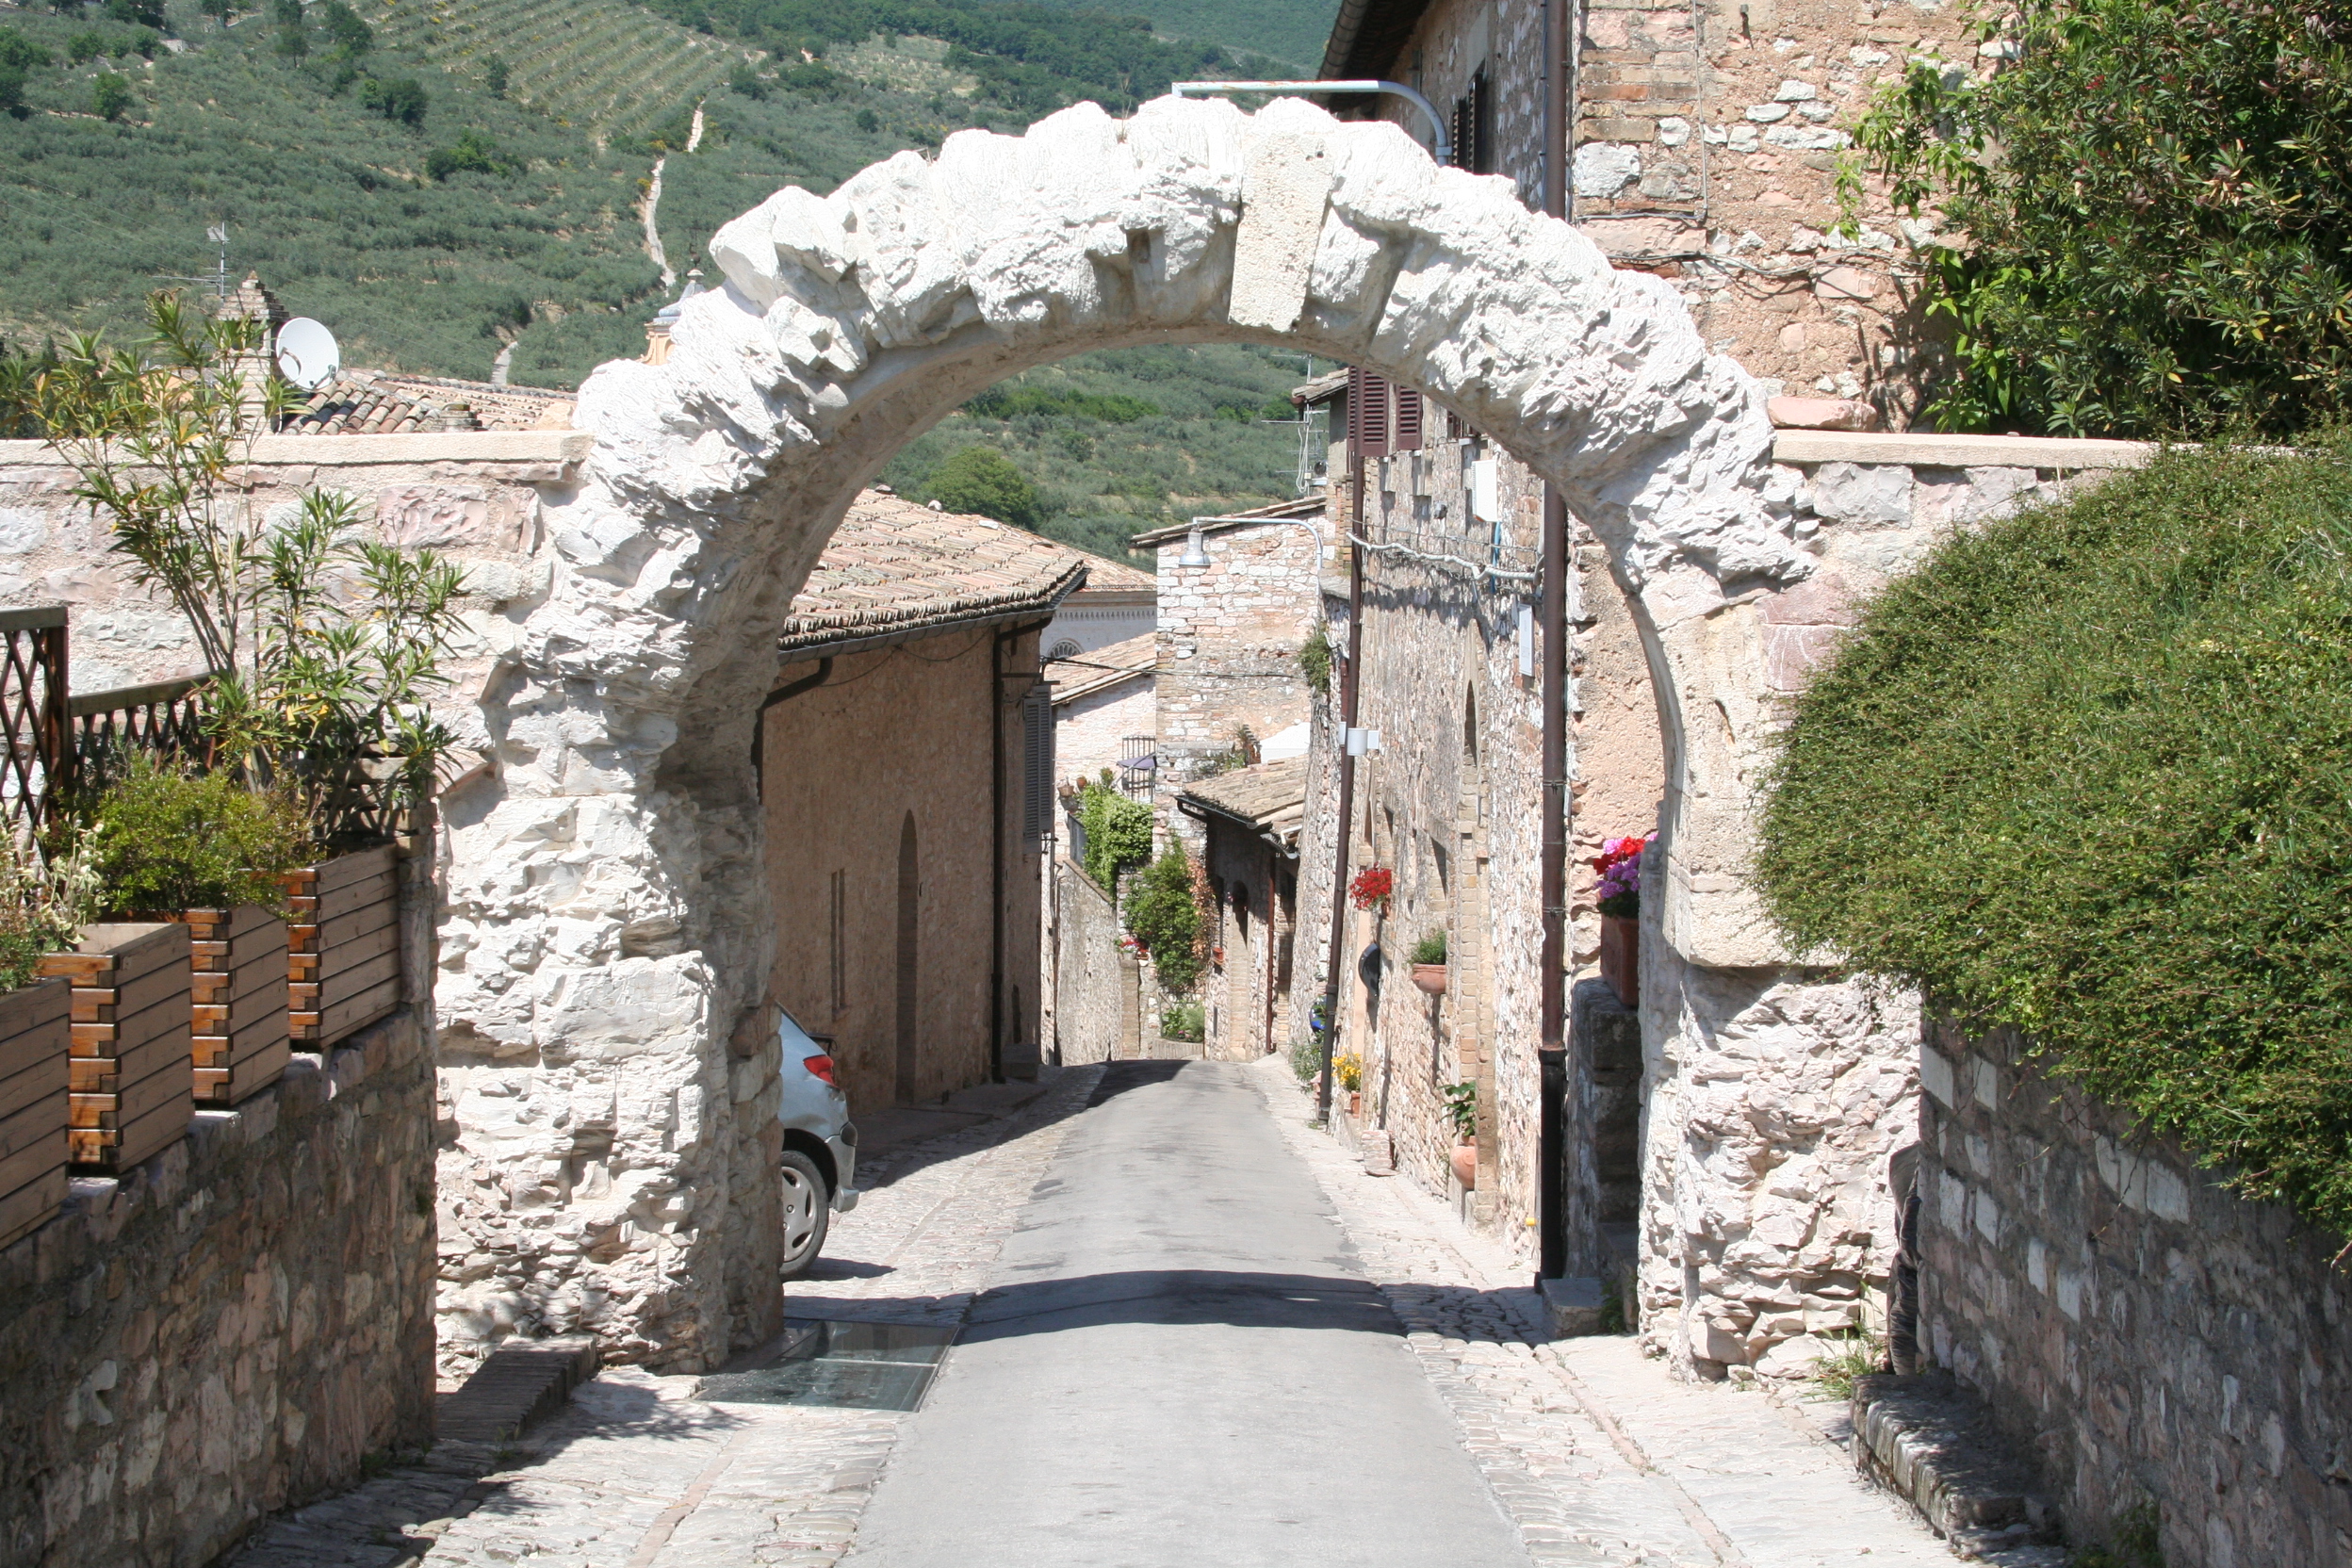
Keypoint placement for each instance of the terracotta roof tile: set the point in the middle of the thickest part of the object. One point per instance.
(1270, 796)
(893, 566)
(1082, 675)
(376, 403)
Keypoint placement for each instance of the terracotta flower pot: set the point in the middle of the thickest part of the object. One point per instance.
(1355, 1102)
(1621, 957)
(1466, 1160)
(1431, 978)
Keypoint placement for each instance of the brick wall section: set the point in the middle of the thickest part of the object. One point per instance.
(2142, 1333)
(237, 1326)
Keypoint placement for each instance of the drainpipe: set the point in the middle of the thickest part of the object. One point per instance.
(759, 721)
(1336, 957)
(996, 855)
(1551, 996)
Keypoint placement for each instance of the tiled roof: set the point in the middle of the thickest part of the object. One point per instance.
(1302, 506)
(1321, 389)
(1270, 796)
(894, 567)
(376, 403)
(1106, 576)
(1084, 673)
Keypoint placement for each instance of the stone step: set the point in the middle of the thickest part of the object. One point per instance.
(1934, 1444)
(513, 1390)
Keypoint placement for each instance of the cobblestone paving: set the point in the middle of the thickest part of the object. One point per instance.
(1595, 1454)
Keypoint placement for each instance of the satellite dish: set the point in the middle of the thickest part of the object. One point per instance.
(307, 354)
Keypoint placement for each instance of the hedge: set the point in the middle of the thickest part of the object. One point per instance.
(2088, 772)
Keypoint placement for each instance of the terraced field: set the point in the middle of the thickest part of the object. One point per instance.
(607, 67)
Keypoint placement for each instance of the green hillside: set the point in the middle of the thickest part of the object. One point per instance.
(436, 179)
(1291, 35)
(1132, 439)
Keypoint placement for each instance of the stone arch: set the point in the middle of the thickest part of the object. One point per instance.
(617, 846)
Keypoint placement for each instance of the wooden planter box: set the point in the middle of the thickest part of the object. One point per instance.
(344, 944)
(132, 1093)
(237, 1002)
(36, 1038)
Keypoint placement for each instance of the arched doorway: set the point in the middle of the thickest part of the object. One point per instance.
(622, 719)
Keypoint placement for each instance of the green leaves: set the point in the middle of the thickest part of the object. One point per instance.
(2154, 207)
(2088, 772)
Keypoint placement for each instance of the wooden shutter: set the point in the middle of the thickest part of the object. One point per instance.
(1037, 765)
(1368, 413)
(1409, 420)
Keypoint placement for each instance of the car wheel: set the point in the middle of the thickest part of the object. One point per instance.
(806, 1213)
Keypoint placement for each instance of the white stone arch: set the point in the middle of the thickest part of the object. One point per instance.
(614, 863)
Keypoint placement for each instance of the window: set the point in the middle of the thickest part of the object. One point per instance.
(1066, 648)
(1037, 766)
(1474, 126)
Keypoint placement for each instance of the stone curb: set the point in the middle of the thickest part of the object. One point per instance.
(1932, 1443)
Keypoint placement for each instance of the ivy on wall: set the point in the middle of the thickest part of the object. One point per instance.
(2088, 773)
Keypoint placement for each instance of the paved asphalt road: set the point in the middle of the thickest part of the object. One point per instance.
(1177, 1364)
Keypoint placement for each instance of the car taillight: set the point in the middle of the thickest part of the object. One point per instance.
(821, 1066)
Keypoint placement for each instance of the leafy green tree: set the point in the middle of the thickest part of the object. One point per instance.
(86, 46)
(138, 13)
(868, 121)
(495, 75)
(2149, 214)
(473, 154)
(350, 37)
(286, 13)
(219, 10)
(401, 99)
(745, 80)
(13, 90)
(22, 53)
(293, 43)
(982, 479)
(109, 96)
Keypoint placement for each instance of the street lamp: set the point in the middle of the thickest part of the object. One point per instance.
(1196, 549)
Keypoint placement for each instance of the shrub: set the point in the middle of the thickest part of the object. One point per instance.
(982, 479)
(1314, 659)
(1462, 1109)
(1430, 948)
(13, 90)
(495, 75)
(43, 908)
(401, 99)
(167, 840)
(2088, 773)
(474, 154)
(1164, 917)
(2154, 204)
(1184, 1021)
(109, 96)
(1119, 833)
(21, 52)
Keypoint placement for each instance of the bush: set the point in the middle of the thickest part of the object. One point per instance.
(1430, 948)
(168, 840)
(1119, 833)
(1314, 659)
(401, 99)
(21, 52)
(495, 75)
(2088, 773)
(982, 479)
(109, 96)
(1164, 917)
(1184, 1021)
(2154, 202)
(474, 154)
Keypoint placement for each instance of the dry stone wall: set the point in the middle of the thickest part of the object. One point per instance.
(2149, 1339)
(1097, 991)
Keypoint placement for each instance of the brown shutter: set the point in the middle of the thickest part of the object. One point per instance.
(1409, 413)
(1368, 413)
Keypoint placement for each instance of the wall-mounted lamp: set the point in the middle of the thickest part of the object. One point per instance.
(1196, 549)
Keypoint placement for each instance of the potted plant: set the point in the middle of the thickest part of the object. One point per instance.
(1462, 1109)
(1348, 1068)
(1620, 895)
(1429, 963)
(36, 1043)
(1370, 889)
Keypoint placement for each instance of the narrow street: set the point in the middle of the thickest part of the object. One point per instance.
(1192, 1330)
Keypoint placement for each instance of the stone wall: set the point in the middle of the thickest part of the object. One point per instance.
(1230, 634)
(1246, 988)
(1097, 992)
(2144, 1335)
(1090, 730)
(239, 1325)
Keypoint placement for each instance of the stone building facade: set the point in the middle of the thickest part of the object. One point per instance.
(907, 782)
(1105, 706)
(1250, 819)
(1230, 634)
(1116, 605)
(2164, 1352)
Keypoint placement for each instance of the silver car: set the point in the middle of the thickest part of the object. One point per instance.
(820, 1163)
